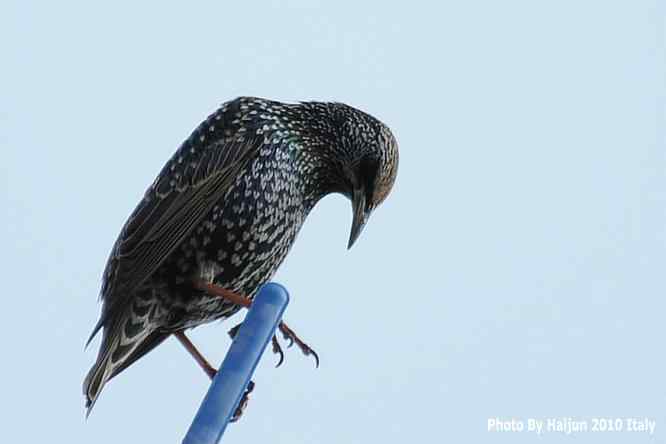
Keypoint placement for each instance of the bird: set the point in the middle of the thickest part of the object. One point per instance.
(222, 215)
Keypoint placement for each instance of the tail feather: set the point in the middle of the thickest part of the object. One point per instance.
(115, 356)
(95, 380)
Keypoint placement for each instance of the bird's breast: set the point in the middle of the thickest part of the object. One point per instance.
(247, 234)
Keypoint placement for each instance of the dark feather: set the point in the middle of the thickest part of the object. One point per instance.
(190, 184)
(226, 209)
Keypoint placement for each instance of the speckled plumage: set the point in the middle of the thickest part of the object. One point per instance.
(226, 209)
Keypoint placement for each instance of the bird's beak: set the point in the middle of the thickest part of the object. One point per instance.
(360, 215)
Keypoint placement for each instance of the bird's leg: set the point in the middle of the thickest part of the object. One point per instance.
(203, 363)
(216, 290)
(289, 334)
(211, 372)
(237, 299)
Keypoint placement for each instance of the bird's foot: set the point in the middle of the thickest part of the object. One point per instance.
(234, 331)
(277, 350)
(287, 332)
(291, 336)
(210, 371)
(243, 403)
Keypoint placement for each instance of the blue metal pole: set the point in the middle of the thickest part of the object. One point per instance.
(238, 366)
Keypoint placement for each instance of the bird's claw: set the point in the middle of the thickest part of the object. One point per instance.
(243, 403)
(234, 331)
(288, 333)
(287, 337)
(278, 351)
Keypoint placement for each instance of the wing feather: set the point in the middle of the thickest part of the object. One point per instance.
(188, 187)
(163, 223)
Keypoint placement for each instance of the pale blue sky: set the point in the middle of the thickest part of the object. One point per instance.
(516, 270)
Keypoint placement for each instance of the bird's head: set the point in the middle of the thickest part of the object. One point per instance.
(348, 152)
(370, 168)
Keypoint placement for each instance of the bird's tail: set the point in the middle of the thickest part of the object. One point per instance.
(118, 351)
(98, 375)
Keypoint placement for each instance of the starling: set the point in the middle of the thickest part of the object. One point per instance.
(222, 215)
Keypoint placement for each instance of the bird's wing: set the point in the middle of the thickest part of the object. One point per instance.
(190, 184)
